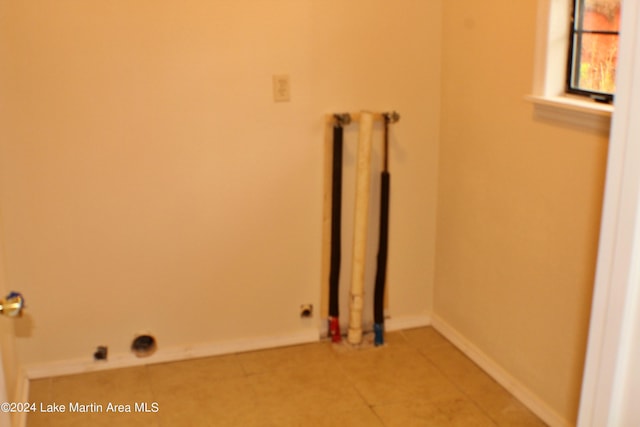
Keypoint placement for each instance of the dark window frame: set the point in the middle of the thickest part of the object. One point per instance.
(575, 45)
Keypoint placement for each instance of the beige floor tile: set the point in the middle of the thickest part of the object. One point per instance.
(386, 358)
(419, 388)
(100, 389)
(187, 412)
(425, 338)
(506, 410)
(394, 338)
(102, 420)
(395, 374)
(38, 420)
(497, 402)
(417, 378)
(391, 339)
(408, 414)
(477, 384)
(252, 418)
(455, 413)
(468, 376)
(40, 392)
(124, 386)
(463, 413)
(451, 361)
(226, 400)
(302, 391)
(180, 376)
(256, 362)
(360, 416)
(101, 416)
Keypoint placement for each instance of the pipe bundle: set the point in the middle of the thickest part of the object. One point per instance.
(363, 179)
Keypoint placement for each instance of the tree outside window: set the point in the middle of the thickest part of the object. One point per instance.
(594, 47)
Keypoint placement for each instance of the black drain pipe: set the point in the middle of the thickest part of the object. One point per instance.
(336, 227)
(383, 245)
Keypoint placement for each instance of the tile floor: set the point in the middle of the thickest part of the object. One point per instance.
(417, 379)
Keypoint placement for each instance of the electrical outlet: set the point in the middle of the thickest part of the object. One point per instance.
(281, 88)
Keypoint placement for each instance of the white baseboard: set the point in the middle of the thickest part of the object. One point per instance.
(391, 323)
(407, 322)
(76, 366)
(19, 419)
(522, 393)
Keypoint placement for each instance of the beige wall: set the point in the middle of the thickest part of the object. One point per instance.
(9, 363)
(148, 181)
(8, 358)
(518, 207)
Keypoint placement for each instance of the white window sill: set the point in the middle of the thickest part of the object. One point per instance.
(573, 111)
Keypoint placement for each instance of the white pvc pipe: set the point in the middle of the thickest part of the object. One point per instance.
(363, 178)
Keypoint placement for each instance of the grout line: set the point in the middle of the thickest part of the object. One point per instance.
(372, 408)
(401, 339)
(450, 379)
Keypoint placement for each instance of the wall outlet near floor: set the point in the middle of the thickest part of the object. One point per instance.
(281, 88)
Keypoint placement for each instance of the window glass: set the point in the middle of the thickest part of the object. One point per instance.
(594, 48)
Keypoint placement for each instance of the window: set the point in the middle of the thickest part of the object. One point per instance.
(551, 100)
(594, 48)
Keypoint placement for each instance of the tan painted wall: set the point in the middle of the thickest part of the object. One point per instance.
(8, 357)
(9, 363)
(518, 207)
(149, 182)
(146, 165)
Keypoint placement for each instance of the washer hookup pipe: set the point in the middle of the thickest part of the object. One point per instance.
(383, 245)
(363, 172)
(336, 228)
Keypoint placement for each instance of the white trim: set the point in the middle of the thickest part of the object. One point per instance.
(504, 378)
(184, 352)
(22, 395)
(552, 45)
(569, 110)
(610, 372)
(407, 322)
(574, 103)
(550, 62)
(77, 366)
(391, 323)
